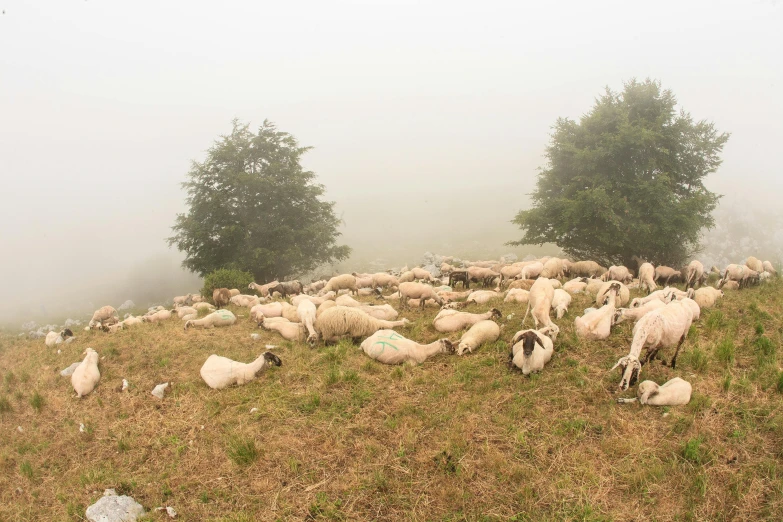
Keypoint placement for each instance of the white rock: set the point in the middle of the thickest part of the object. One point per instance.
(19, 429)
(169, 511)
(253, 410)
(81, 427)
(255, 336)
(69, 370)
(124, 384)
(126, 305)
(114, 508)
(160, 390)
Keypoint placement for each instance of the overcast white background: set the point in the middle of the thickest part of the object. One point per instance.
(103, 105)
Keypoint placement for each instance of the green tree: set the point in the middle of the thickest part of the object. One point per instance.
(626, 180)
(253, 207)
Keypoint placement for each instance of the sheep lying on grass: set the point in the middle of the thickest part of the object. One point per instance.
(53, 338)
(104, 316)
(389, 347)
(184, 312)
(560, 302)
(575, 286)
(221, 372)
(662, 328)
(276, 309)
(216, 318)
(596, 325)
(247, 301)
(517, 295)
(341, 321)
(313, 299)
(86, 376)
(478, 334)
(483, 296)
(448, 321)
(156, 317)
(203, 306)
(676, 392)
(531, 350)
(622, 314)
(288, 330)
(623, 293)
(385, 312)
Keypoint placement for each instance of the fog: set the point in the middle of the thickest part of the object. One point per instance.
(428, 121)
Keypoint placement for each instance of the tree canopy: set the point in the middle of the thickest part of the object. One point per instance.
(253, 207)
(626, 180)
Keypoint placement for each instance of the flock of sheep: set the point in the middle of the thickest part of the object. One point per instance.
(326, 311)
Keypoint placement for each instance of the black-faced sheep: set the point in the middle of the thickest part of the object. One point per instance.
(221, 372)
(531, 350)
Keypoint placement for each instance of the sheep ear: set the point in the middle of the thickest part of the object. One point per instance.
(620, 362)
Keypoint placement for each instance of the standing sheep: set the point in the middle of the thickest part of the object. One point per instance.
(552, 269)
(263, 290)
(389, 347)
(666, 274)
(340, 282)
(560, 302)
(618, 273)
(694, 274)
(221, 297)
(104, 316)
(647, 277)
(221, 372)
(754, 264)
(420, 291)
(586, 269)
(306, 312)
(478, 334)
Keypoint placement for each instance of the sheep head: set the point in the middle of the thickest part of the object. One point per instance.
(446, 346)
(636, 302)
(66, 333)
(188, 324)
(271, 358)
(646, 390)
(529, 340)
(631, 368)
(618, 317)
(495, 313)
(312, 339)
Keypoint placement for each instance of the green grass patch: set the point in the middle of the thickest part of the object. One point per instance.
(241, 451)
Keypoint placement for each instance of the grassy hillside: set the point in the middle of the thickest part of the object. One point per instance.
(340, 437)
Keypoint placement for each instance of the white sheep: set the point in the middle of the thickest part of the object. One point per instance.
(743, 275)
(385, 312)
(647, 277)
(531, 350)
(539, 302)
(295, 300)
(596, 324)
(483, 296)
(617, 273)
(221, 372)
(706, 296)
(340, 282)
(754, 264)
(306, 312)
(621, 314)
(314, 287)
(347, 300)
(665, 295)
(531, 271)
(185, 311)
(203, 306)
(767, 266)
(694, 274)
(666, 274)
(448, 321)
(216, 318)
(662, 328)
(552, 268)
(586, 269)
(560, 302)
(478, 334)
(276, 309)
(104, 316)
(517, 295)
(132, 321)
(693, 307)
(384, 280)
(593, 286)
(289, 330)
(156, 317)
(86, 376)
(411, 290)
(575, 286)
(247, 301)
(449, 296)
(54, 338)
(676, 392)
(389, 347)
(623, 296)
(342, 321)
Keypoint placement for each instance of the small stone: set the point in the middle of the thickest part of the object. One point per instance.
(81, 428)
(19, 429)
(160, 390)
(124, 384)
(69, 370)
(113, 508)
(255, 336)
(253, 410)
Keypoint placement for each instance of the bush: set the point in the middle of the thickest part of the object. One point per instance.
(226, 278)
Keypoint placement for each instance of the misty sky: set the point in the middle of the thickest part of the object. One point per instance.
(104, 104)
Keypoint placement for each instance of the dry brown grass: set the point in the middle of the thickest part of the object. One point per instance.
(340, 437)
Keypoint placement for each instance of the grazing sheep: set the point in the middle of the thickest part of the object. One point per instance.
(531, 271)
(693, 307)
(512, 271)
(662, 328)
(575, 286)
(421, 291)
(586, 269)
(340, 282)
(384, 280)
(517, 295)
(216, 318)
(531, 350)
(560, 302)
(313, 299)
(596, 325)
(694, 274)
(306, 312)
(483, 296)
(446, 268)
(342, 321)
(459, 276)
(621, 314)
(540, 301)
(363, 280)
(754, 264)
(406, 277)
(676, 392)
(421, 274)
(618, 273)
(221, 372)
(481, 275)
(478, 334)
(162, 315)
(448, 321)
(104, 316)
(706, 296)
(767, 266)
(389, 347)
(666, 274)
(647, 277)
(289, 330)
(53, 338)
(622, 298)
(86, 376)
(263, 290)
(553, 268)
(315, 286)
(286, 288)
(221, 297)
(743, 275)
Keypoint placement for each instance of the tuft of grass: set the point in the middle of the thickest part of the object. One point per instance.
(696, 359)
(37, 401)
(310, 403)
(715, 321)
(694, 451)
(726, 384)
(5, 404)
(779, 385)
(26, 469)
(724, 352)
(242, 451)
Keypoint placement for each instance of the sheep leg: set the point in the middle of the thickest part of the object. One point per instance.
(674, 359)
(626, 401)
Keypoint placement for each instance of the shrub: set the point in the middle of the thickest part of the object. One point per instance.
(225, 278)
